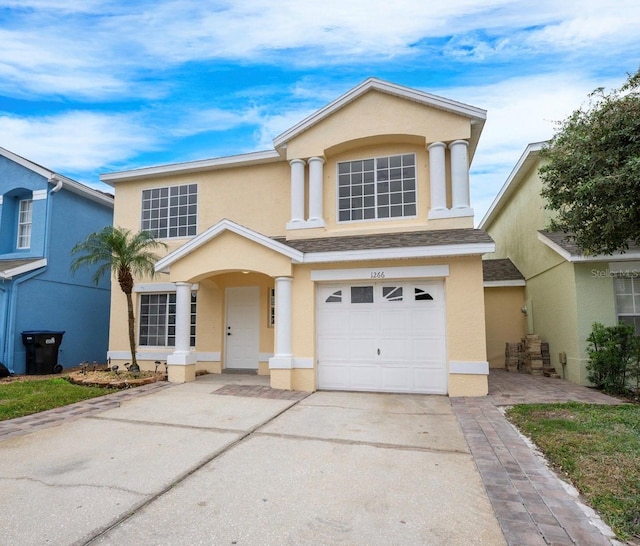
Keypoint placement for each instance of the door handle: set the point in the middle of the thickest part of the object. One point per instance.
(378, 352)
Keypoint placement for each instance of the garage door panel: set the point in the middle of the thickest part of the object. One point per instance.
(333, 376)
(362, 349)
(393, 343)
(427, 349)
(394, 349)
(395, 320)
(333, 320)
(334, 348)
(364, 377)
(363, 321)
(396, 378)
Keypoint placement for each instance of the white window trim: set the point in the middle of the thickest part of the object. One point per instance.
(21, 224)
(375, 219)
(157, 290)
(168, 187)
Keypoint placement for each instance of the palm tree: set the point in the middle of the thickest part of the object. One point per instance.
(126, 254)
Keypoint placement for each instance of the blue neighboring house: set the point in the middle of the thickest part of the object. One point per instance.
(42, 216)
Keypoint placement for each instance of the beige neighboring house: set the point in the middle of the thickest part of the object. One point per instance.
(566, 291)
(344, 258)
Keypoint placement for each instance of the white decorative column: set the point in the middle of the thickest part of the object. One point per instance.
(316, 175)
(437, 180)
(297, 194)
(283, 356)
(182, 362)
(459, 176)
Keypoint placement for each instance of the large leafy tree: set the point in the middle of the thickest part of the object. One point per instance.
(124, 253)
(591, 176)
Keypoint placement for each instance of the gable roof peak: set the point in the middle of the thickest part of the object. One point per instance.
(477, 115)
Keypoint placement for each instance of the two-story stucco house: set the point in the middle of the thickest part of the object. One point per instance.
(343, 258)
(42, 216)
(564, 291)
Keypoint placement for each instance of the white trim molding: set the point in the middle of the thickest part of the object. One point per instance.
(160, 287)
(479, 367)
(162, 354)
(290, 363)
(241, 160)
(39, 195)
(498, 284)
(30, 266)
(380, 273)
(224, 225)
(580, 258)
(477, 115)
(435, 251)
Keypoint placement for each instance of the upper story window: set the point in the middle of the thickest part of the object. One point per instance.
(382, 187)
(171, 211)
(627, 290)
(25, 212)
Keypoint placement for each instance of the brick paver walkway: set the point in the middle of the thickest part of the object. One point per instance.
(57, 416)
(260, 391)
(531, 503)
(533, 506)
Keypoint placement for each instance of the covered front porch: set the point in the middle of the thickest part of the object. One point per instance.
(239, 279)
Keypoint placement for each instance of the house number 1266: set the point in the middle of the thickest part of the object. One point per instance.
(377, 274)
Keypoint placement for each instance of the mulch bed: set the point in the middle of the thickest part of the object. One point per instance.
(95, 378)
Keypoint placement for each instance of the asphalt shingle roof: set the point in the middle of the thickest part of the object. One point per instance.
(501, 269)
(390, 240)
(566, 242)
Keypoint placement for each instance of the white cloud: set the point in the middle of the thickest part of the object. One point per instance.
(101, 49)
(75, 141)
(521, 110)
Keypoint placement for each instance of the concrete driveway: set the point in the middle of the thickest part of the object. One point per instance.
(191, 465)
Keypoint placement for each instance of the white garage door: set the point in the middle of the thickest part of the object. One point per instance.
(382, 336)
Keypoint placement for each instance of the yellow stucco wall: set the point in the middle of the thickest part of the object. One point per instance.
(504, 320)
(378, 114)
(258, 197)
(255, 196)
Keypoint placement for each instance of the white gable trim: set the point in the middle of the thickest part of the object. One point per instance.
(241, 160)
(476, 114)
(55, 179)
(31, 266)
(524, 164)
(224, 225)
(580, 258)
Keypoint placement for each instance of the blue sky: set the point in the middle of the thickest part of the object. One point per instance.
(94, 86)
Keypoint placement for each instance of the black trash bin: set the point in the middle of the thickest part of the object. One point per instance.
(42, 351)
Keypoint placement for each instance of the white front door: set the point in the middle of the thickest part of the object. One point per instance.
(382, 336)
(242, 328)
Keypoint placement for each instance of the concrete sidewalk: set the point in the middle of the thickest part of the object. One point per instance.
(205, 463)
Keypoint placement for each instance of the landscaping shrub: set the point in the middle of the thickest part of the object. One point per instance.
(613, 356)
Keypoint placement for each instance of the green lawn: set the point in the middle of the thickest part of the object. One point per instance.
(19, 398)
(598, 448)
